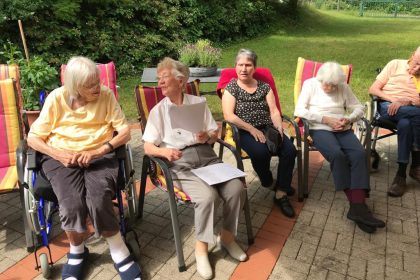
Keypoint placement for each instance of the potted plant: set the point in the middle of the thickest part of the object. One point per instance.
(36, 78)
(201, 57)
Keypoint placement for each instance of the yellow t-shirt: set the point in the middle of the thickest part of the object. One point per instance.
(398, 83)
(85, 128)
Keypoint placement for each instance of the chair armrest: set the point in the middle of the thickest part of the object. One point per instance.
(21, 161)
(295, 127)
(160, 162)
(235, 134)
(235, 152)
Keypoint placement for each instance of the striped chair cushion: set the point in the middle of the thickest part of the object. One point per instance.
(12, 71)
(146, 98)
(108, 76)
(10, 134)
(307, 69)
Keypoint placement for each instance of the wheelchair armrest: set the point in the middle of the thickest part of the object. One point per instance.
(120, 152)
(21, 161)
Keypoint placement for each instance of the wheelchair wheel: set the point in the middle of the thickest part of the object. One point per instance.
(31, 205)
(131, 192)
(45, 265)
(360, 132)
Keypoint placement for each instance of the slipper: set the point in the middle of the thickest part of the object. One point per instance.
(77, 269)
(132, 272)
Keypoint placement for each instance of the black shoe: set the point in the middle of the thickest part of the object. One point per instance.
(360, 213)
(289, 191)
(285, 206)
(366, 228)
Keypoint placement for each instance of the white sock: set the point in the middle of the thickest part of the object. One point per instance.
(280, 194)
(76, 249)
(119, 250)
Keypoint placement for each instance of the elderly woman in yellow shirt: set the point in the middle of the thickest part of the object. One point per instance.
(74, 133)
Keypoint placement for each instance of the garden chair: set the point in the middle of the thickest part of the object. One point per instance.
(377, 122)
(157, 170)
(230, 132)
(307, 69)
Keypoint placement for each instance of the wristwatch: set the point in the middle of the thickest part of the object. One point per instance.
(109, 145)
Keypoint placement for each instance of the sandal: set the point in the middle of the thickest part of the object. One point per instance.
(77, 269)
(132, 272)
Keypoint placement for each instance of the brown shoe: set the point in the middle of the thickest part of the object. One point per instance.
(415, 173)
(398, 187)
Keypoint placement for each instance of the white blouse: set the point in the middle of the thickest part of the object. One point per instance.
(314, 103)
(159, 130)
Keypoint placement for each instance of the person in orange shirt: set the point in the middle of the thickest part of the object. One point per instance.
(398, 87)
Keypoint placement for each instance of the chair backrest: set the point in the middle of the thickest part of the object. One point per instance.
(12, 72)
(10, 134)
(307, 69)
(108, 76)
(148, 96)
(263, 74)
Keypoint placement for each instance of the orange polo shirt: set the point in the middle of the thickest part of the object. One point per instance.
(398, 83)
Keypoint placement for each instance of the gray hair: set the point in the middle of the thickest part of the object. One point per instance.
(250, 54)
(79, 71)
(178, 69)
(331, 73)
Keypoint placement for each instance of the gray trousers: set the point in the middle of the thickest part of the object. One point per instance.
(346, 156)
(204, 196)
(83, 191)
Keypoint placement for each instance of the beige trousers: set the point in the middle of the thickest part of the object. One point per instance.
(204, 196)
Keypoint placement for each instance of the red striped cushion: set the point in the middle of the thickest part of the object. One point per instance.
(12, 71)
(10, 134)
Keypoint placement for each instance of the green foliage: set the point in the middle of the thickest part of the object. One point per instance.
(133, 33)
(35, 76)
(200, 54)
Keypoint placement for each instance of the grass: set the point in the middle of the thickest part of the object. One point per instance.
(367, 43)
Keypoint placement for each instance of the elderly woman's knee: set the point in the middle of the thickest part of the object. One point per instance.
(404, 125)
(336, 155)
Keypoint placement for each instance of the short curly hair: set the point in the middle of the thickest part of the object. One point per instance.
(331, 73)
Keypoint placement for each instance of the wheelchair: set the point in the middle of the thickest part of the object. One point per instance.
(40, 203)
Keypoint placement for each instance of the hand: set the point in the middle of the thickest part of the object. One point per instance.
(202, 137)
(332, 122)
(343, 123)
(395, 106)
(68, 159)
(258, 135)
(84, 158)
(171, 154)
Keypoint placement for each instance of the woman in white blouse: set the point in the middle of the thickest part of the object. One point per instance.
(330, 106)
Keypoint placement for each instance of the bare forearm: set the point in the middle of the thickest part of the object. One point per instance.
(39, 145)
(152, 150)
(239, 122)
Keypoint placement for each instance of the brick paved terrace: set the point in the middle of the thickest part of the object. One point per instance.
(320, 243)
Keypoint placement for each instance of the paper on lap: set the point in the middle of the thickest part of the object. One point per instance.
(218, 173)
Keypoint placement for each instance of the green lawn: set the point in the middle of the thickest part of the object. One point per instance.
(367, 43)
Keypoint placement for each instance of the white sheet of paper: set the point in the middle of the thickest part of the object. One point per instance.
(189, 117)
(218, 173)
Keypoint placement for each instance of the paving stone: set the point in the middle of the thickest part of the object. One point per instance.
(307, 253)
(319, 220)
(411, 263)
(394, 259)
(328, 239)
(395, 274)
(292, 264)
(305, 217)
(331, 260)
(357, 268)
(291, 248)
(281, 273)
(317, 273)
(344, 243)
(410, 228)
(403, 242)
(332, 275)
(375, 269)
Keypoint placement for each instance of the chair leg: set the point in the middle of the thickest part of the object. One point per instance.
(248, 220)
(305, 171)
(143, 180)
(300, 173)
(175, 228)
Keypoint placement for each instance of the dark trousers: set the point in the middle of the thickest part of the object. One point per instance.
(407, 120)
(261, 157)
(346, 156)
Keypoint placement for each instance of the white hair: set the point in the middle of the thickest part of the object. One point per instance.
(249, 54)
(178, 69)
(331, 73)
(79, 71)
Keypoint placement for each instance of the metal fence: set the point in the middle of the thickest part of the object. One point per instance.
(373, 8)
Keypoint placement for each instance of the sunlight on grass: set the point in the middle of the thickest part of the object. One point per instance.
(367, 43)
